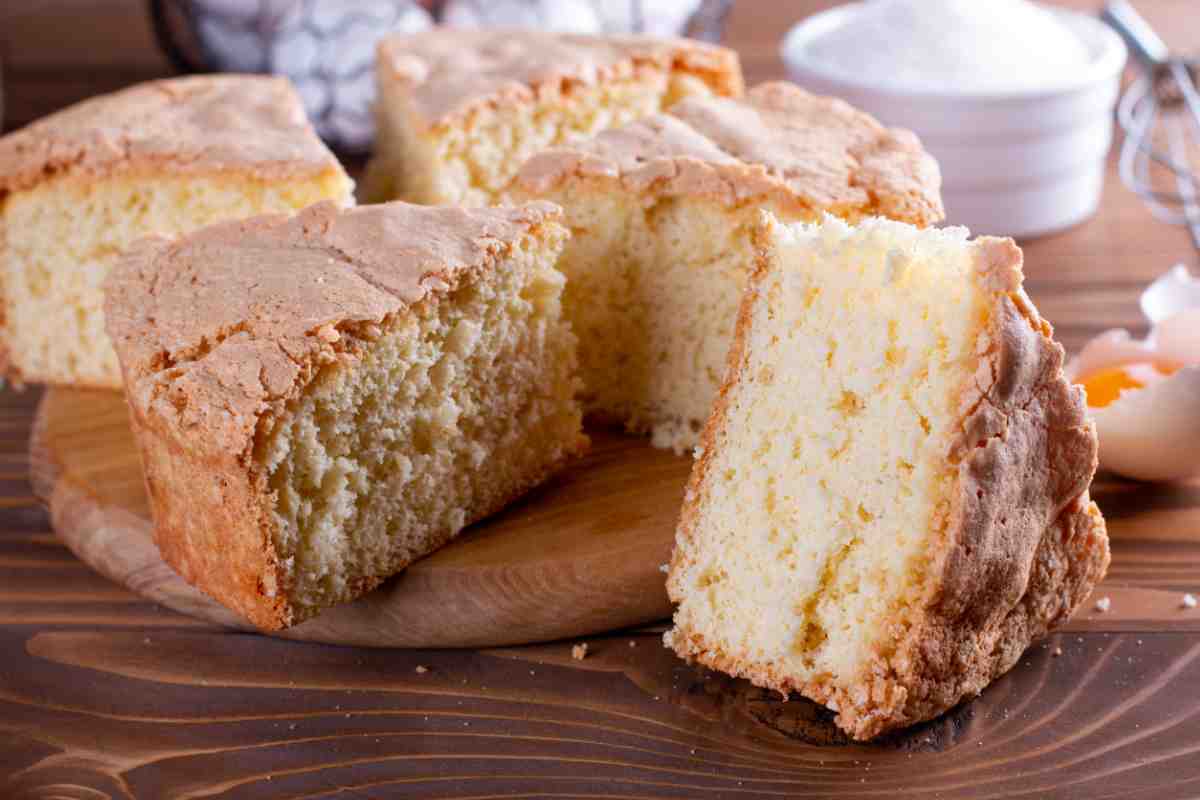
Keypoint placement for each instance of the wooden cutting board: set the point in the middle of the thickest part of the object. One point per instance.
(578, 556)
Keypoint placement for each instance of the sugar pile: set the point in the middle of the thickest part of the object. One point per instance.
(964, 45)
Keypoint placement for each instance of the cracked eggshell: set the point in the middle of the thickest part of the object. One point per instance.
(1153, 433)
(1146, 393)
(1172, 293)
(1177, 339)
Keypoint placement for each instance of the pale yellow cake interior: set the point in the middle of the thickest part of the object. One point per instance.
(63, 236)
(652, 292)
(455, 409)
(469, 161)
(828, 477)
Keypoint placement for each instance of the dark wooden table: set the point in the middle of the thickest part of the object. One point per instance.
(105, 695)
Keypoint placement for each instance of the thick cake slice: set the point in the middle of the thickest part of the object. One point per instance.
(891, 499)
(79, 186)
(666, 216)
(322, 399)
(460, 110)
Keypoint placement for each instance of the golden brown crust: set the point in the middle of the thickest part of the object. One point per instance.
(251, 127)
(1024, 545)
(212, 526)
(1021, 547)
(244, 124)
(216, 331)
(214, 327)
(452, 73)
(779, 145)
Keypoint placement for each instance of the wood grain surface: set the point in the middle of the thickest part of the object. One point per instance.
(579, 555)
(104, 694)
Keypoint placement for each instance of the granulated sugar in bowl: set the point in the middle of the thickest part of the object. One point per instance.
(1014, 99)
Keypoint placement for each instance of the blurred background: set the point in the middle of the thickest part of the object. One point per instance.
(57, 52)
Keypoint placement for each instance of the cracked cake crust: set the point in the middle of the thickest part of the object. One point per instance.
(217, 331)
(801, 153)
(1020, 548)
(208, 124)
(452, 73)
(239, 127)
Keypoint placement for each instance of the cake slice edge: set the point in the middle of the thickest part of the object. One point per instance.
(992, 592)
(208, 482)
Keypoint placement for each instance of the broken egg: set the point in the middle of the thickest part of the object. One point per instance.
(1145, 394)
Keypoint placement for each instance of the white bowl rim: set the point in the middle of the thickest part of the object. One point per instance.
(1106, 66)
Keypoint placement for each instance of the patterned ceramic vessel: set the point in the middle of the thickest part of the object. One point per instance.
(327, 47)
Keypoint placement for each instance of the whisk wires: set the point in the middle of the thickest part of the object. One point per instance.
(1160, 116)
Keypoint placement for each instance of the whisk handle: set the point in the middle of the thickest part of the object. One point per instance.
(1141, 39)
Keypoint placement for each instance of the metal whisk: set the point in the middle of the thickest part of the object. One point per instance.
(1160, 114)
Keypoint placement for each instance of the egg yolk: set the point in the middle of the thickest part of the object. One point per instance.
(1106, 385)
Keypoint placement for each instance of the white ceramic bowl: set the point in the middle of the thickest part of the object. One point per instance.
(1015, 164)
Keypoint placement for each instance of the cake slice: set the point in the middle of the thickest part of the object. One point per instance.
(460, 110)
(79, 186)
(891, 498)
(666, 221)
(320, 400)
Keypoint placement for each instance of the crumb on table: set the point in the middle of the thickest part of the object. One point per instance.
(1189, 600)
(579, 651)
(422, 669)
(1103, 605)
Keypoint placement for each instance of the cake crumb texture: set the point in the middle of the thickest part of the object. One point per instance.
(322, 399)
(892, 500)
(79, 186)
(460, 111)
(668, 215)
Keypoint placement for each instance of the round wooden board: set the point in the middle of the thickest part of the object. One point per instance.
(577, 556)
